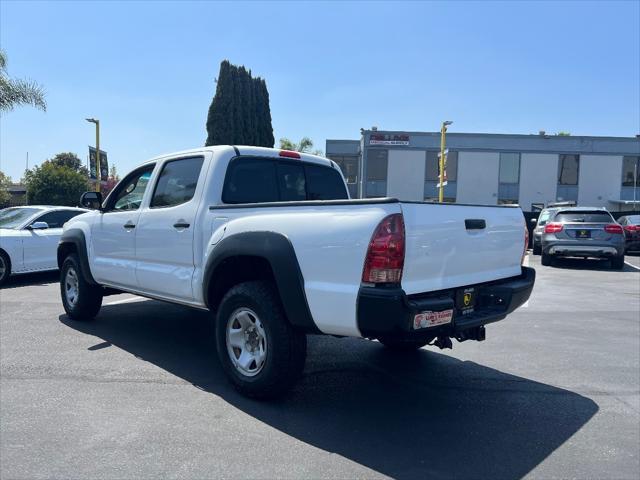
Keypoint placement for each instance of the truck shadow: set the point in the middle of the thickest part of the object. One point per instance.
(425, 415)
(31, 279)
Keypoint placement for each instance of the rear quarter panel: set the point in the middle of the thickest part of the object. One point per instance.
(330, 244)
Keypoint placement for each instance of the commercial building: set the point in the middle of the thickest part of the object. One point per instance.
(529, 170)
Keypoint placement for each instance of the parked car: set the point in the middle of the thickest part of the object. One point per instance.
(29, 238)
(583, 232)
(541, 221)
(631, 226)
(270, 243)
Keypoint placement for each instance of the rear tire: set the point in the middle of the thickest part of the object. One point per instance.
(261, 353)
(617, 263)
(537, 249)
(80, 299)
(546, 259)
(5, 268)
(399, 345)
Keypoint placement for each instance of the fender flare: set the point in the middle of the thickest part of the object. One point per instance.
(278, 251)
(75, 236)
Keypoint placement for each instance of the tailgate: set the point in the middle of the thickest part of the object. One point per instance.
(447, 247)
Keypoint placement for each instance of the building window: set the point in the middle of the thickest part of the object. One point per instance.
(630, 171)
(568, 174)
(376, 172)
(509, 168)
(509, 179)
(568, 169)
(432, 176)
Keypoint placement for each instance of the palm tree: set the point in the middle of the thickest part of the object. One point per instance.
(15, 92)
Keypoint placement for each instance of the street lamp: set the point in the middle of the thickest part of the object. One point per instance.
(97, 123)
(443, 132)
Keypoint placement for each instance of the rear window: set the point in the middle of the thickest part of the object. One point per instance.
(585, 217)
(250, 180)
(258, 180)
(324, 183)
(633, 219)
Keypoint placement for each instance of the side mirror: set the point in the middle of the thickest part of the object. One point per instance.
(92, 200)
(38, 226)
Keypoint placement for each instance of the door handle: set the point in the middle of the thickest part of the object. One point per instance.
(475, 224)
(129, 225)
(181, 225)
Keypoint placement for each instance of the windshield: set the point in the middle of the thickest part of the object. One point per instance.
(584, 217)
(14, 217)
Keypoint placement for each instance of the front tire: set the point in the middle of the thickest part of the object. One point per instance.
(260, 352)
(80, 299)
(617, 263)
(5, 268)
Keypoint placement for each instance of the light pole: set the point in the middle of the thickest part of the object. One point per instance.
(97, 123)
(443, 132)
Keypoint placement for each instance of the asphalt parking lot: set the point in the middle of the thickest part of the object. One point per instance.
(552, 393)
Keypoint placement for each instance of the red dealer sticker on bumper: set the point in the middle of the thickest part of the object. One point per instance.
(432, 319)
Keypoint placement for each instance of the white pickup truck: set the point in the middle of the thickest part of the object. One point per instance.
(269, 242)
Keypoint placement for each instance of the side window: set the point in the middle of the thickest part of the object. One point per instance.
(291, 182)
(57, 218)
(177, 182)
(128, 193)
(324, 183)
(544, 217)
(250, 180)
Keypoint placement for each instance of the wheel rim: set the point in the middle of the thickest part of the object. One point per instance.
(246, 342)
(71, 286)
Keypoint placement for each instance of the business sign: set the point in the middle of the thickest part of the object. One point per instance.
(104, 165)
(386, 139)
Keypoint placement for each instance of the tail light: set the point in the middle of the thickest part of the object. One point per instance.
(526, 244)
(553, 228)
(632, 228)
(289, 154)
(385, 256)
(613, 228)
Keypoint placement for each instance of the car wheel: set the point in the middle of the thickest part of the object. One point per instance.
(261, 353)
(402, 345)
(537, 249)
(80, 299)
(546, 259)
(617, 263)
(5, 267)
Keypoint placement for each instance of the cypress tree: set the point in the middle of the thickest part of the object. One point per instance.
(239, 113)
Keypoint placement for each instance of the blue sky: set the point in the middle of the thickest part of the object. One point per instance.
(331, 68)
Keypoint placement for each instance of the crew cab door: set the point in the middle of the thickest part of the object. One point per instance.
(164, 236)
(113, 235)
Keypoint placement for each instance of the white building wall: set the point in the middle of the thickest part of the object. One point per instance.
(478, 177)
(600, 180)
(405, 174)
(538, 179)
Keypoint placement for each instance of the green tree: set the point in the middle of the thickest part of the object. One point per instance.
(5, 196)
(16, 92)
(239, 113)
(71, 160)
(55, 184)
(563, 134)
(305, 146)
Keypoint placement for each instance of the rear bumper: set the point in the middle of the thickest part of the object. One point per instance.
(576, 249)
(390, 312)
